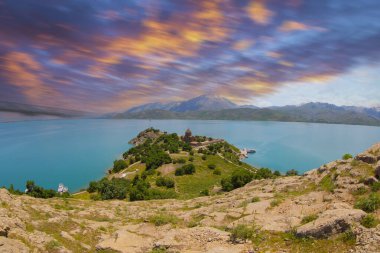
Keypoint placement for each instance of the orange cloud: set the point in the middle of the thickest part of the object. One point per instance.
(289, 26)
(167, 40)
(243, 44)
(24, 72)
(259, 13)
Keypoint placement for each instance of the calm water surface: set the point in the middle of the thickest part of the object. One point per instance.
(75, 152)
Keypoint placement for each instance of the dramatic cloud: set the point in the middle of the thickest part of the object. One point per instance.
(110, 55)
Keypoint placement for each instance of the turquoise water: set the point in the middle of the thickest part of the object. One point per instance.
(75, 152)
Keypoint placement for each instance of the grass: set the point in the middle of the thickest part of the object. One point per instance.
(309, 218)
(370, 203)
(276, 202)
(189, 186)
(327, 183)
(255, 199)
(369, 221)
(163, 219)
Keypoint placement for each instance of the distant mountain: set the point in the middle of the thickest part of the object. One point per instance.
(201, 103)
(33, 110)
(310, 112)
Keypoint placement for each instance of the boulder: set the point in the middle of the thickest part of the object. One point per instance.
(330, 222)
(367, 158)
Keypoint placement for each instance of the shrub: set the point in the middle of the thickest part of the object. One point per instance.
(38, 191)
(181, 160)
(211, 166)
(119, 165)
(309, 218)
(191, 159)
(93, 186)
(187, 169)
(165, 181)
(370, 203)
(116, 188)
(238, 179)
(277, 173)
(204, 157)
(162, 219)
(346, 156)
(241, 232)
(369, 221)
(204, 192)
(263, 173)
(292, 172)
(217, 172)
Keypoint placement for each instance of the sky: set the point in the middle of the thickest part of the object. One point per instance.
(105, 56)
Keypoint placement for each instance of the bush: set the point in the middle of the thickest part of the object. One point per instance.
(191, 159)
(346, 156)
(263, 173)
(204, 157)
(277, 173)
(181, 160)
(238, 179)
(165, 181)
(38, 191)
(93, 187)
(370, 203)
(116, 188)
(119, 165)
(241, 232)
(211, 166)
(187, 169)
(292, 172)
(369, 221)
(217, 172)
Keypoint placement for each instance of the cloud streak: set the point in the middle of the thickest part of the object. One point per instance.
(108, 56)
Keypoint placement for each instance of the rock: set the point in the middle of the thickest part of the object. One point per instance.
(370, 181)
(5, 196)
(4, 229)
(12, 246)
(377, 170)
(367, 158)
(67, 236)
(330, 222)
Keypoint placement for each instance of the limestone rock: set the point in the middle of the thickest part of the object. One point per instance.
(330, 222)
(367, 158)
(12, 246)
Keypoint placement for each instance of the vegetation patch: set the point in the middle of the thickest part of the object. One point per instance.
(369, 221)
(309, 218)
(327, 183)
(163, 219)
(370, 203)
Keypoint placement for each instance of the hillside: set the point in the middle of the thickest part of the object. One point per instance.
(334, 208)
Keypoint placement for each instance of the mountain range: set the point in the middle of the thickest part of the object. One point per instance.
(218, 108)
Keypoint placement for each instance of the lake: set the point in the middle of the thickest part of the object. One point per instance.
(75, 152)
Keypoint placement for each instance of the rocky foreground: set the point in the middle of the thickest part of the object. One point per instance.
(310, 213)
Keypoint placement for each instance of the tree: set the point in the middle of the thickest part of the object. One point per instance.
(292, 172)
(119, 165)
